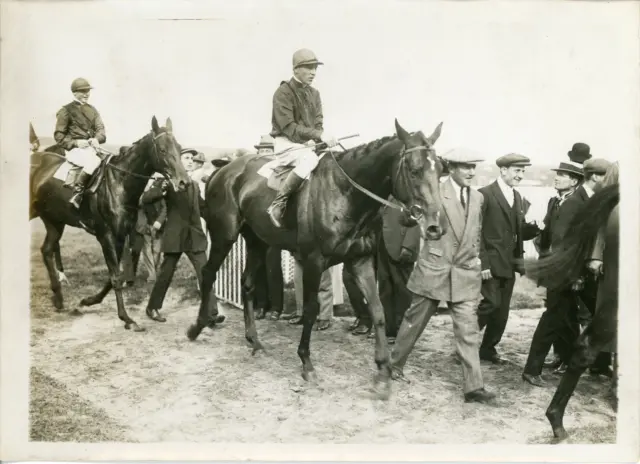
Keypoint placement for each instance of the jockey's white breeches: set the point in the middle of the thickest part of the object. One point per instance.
(85, 157)
(304, 159)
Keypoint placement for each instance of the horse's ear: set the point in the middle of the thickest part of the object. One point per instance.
(154, 125)
(402, 134)
(169, 125)
(436, 134)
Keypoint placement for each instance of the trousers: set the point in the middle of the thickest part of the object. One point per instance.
(325, 292)
(85, 157)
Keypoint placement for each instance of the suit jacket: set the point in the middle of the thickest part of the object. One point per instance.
(502, 234)
(182, 230)
(448, 269)
(557, 220)
(396, 236)
(153, 204)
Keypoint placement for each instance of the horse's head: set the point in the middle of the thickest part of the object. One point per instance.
(166, 157)
(416, 181)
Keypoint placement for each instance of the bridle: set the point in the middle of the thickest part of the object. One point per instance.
(415, 211)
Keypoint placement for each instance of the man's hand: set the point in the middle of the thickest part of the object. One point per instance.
(94, 143)
(486, 274)
(539, 223)
(406, 256)
(595, 266)
(81, 143)
(309, 143)
(329, 140)
(157, 225)
(577, 285)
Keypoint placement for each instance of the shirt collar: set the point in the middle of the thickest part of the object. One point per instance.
(588, 189)
(507, 191)
(297, 81)
(456, 187)
(563, 197)
(78, 102)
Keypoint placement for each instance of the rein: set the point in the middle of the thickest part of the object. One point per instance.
(411, 210)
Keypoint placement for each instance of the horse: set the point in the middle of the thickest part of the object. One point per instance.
(109, 213)
(330, 220)
(562, 268)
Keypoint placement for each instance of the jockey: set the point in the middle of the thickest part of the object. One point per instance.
(80, 130)
(297, 121)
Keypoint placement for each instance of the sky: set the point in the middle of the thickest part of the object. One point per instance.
(531, 78)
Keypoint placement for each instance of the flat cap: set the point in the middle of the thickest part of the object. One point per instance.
(305, 57)
(596, 166)
(462, 156)
(513, 159)
(193, 151)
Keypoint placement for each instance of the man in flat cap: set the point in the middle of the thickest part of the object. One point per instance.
(449, 270)
(559, 324)
(503, 231)
(80, 130)
(297, 120)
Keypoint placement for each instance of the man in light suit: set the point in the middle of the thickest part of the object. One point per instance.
(449, 270)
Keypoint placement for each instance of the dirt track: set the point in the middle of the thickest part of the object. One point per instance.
(158, 386)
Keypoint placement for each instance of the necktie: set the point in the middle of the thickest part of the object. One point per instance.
(462, 200)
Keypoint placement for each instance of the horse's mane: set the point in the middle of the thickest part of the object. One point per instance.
(566, 264)
(363, 150)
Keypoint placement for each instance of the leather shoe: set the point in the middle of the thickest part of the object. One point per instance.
(354, 324)
(556, 363)
(561, 370)
(323, 324)
(362, 329)
(296, 321)
(493, 358)
(479, 396)
(289, 316)
(534, 380)
(272, 315)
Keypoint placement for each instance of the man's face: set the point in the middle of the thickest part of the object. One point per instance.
(512, 175)
(265, 151)
(187, 161)
(564, 182)
(82, 95)
(598, 178)
(462, 173)
(306, 74)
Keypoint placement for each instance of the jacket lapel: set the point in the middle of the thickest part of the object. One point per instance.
(453, 209)
(502, 201)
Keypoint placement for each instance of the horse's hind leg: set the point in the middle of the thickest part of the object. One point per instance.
(589, 344)
(48, 250)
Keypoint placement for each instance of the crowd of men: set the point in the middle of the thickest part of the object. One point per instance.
(472, 268)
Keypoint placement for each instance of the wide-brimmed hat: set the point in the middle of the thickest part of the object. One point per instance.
(266, 141)
(305, 57)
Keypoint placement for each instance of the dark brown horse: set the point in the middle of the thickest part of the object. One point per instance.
(110, 213)
(565, 266)
(328, 221)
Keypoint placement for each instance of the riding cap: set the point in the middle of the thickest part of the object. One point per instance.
(80, 84)
(266, 141)
(513, 159)
(462, 156)
(596, 166)
(305, 57)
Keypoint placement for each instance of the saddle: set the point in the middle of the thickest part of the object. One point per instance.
(278, 168)
(96, 178)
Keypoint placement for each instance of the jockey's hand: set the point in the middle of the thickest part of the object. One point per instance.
(157, 225)
(310, 143)
(595, 266)
(329, 140)
(486, 274)
(577, 285)
(94, 143)
(82, 143)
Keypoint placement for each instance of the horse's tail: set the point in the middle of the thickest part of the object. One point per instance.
(566, 262)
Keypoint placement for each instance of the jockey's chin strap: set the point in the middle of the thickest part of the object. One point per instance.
(415, 211)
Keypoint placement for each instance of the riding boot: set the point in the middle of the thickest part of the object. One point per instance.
(279, 204)
(78, 189)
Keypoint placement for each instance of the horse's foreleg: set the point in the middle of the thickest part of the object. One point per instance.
(363, 271)
(217, 254)
(589, 344)
(248, 296)
(48, 250)
(98, 297)
(112, 250)
(311, 274)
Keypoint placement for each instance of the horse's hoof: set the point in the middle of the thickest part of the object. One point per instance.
(257, 347)
(88, 301)
(560, 434)
(218, 319)
(154, 315)
(310, 376)
(193, 332)
(57, 302)
(382, 389)
(137, 328)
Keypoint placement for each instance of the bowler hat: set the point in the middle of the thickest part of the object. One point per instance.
(305, 57)
(266, 141)
(579, 153)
